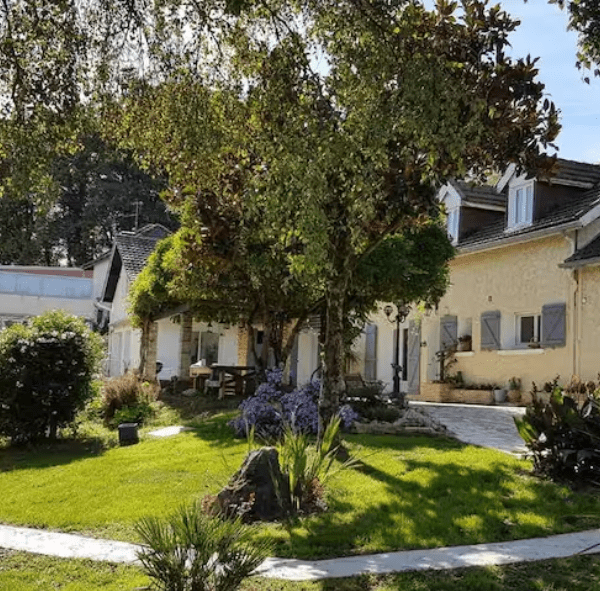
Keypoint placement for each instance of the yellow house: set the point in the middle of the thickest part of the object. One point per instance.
(525, 284)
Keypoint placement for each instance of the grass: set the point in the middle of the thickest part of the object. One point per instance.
(27, 572)
(407, 493)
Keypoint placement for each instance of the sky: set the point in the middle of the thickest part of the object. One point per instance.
(543, 33)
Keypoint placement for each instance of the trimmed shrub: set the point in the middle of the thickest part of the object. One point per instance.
(127, 399)
(46, 371)
(193, 551)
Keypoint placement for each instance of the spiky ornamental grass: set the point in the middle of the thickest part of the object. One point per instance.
(191, 551)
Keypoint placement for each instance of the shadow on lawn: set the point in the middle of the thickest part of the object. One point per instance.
(432, 504)
(48, 454)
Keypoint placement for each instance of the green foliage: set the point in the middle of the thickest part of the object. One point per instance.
(563, 433)
(46, 371)
(127, 399)
(370, 404)
(190, 551)
(151, 292)
(409, 266)
(584, 17)
(308, 465)
(92, 194)
(287, 178)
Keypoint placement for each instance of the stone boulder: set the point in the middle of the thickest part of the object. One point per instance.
(258, 491)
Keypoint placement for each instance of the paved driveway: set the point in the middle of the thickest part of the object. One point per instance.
(487, 426)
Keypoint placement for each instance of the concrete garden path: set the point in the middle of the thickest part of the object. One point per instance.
(561, 546)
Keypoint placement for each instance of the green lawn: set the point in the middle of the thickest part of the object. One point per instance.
(28, 572)
(407, 493)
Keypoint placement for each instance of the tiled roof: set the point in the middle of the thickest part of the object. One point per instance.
(566, 213)
(157, 231)
(589, 253)
(570, 172)
(134, 251)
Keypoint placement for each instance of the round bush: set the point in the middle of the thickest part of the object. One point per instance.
(46, 371)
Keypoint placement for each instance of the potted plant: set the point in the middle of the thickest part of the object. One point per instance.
(499, 394)
(465, 342)
(514, 390)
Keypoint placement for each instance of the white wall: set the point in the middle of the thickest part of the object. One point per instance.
(124, 349)
(168, 348)
(120, 304)
(99, 278)
(228, 346)
(308, 347)
(24, 295)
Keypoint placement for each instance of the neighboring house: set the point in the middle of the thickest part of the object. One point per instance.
(525, 284)
(29, 291)
(177, 341)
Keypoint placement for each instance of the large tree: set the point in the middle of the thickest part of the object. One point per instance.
(329, 122)
(584, 17)
(91, 194)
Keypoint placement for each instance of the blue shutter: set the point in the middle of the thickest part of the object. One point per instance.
(448, 332)
(554, 324)
(490, 330)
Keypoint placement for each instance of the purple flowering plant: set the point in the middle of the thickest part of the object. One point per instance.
(271, 408)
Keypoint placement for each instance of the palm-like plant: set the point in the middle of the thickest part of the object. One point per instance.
(191, 551)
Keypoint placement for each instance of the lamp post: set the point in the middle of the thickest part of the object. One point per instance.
(402, 311)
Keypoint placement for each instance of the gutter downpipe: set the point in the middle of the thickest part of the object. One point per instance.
(576, 319)
(572, 239)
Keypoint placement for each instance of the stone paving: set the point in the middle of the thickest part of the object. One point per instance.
(487, 426)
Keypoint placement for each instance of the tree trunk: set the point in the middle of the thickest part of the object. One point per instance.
(147, 367)
(333, 385)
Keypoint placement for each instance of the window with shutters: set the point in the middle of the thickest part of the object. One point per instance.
(370, 352)
(448, 332)
(527, 329)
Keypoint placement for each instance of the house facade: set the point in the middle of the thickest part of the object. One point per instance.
(524, 284)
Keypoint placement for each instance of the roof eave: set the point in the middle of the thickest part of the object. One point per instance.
(489, 206)
(519, 238)
(591, 262)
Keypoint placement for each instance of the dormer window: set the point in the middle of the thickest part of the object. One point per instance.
(520, 205)
(453, 221)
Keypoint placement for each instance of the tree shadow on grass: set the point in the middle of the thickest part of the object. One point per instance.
(49, 453)
(430, 503)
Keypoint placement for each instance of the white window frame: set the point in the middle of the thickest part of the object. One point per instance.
(453, 223)
(520, 205)
(537, 324)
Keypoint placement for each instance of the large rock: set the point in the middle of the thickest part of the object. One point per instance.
(258, 491)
